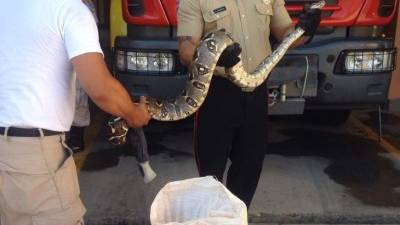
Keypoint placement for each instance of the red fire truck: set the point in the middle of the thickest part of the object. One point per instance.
(347, 65)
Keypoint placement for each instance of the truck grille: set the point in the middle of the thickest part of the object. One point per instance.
(294, 7)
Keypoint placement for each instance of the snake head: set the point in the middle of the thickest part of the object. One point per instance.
(117, 129)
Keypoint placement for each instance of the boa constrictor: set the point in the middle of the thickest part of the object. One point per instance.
(202, 68)
(200, 74)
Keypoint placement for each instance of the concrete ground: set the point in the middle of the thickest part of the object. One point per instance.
(312, 174)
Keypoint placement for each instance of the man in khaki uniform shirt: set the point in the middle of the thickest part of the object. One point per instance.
(232, 123)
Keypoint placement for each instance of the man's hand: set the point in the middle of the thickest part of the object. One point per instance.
(230, 56)
(141, 116)
(309, 20)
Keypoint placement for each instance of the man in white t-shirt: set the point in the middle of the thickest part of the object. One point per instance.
(41, 42)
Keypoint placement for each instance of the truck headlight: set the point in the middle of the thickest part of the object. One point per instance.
(145, 61)
(367, 61)
(136, 61)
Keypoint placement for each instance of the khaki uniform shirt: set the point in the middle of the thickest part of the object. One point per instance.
(248, 22)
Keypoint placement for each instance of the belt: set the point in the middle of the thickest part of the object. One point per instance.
(27, 132)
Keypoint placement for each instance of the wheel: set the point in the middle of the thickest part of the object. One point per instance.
(327, 117)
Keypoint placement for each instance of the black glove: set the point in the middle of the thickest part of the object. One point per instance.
(230, 56)
(309, 20)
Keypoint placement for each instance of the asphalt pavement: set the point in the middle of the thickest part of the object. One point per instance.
(312, 174)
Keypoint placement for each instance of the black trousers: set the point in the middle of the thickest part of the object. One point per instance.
(232, 124)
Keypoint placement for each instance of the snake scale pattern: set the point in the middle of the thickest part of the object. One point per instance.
(202, 68)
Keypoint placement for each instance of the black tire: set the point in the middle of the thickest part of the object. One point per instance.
(327, 117)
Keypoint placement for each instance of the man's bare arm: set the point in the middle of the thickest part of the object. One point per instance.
(106, 91)
(187, 46)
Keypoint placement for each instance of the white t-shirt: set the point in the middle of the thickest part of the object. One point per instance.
(37, 40)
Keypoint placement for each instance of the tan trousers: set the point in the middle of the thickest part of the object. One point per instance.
(38, 182)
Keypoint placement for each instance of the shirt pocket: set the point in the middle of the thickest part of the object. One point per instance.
(216, 15)
(264, 12)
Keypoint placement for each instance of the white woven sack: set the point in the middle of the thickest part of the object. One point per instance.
(197, 201)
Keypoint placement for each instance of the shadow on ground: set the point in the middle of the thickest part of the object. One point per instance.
(356, 163)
